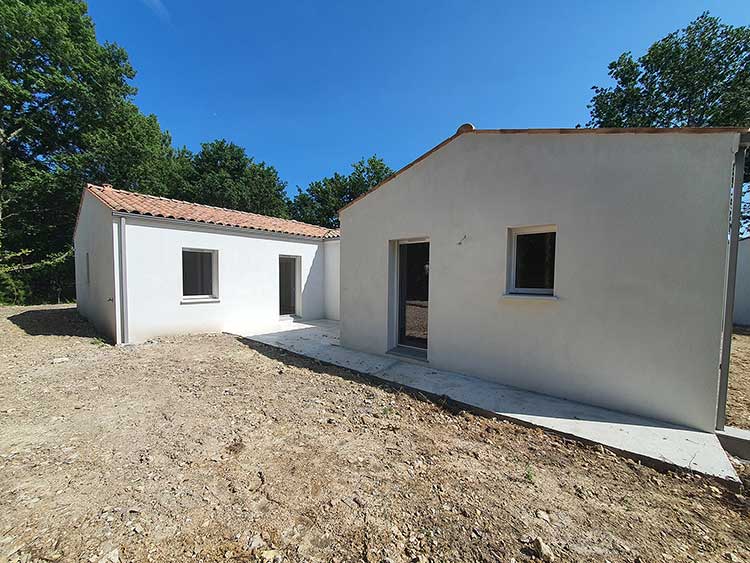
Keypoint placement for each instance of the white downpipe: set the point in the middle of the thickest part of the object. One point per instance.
(124, 331)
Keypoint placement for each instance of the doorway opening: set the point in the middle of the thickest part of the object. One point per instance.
(413, 296)
(288, 286)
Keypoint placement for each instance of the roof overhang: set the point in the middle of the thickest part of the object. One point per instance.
(247, 231)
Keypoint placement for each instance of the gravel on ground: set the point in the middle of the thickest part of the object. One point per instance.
(738, 397)
(214, 448)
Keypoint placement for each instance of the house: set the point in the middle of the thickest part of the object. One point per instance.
(148, 266)
(585, 264)
(742, 297)
(591, 265)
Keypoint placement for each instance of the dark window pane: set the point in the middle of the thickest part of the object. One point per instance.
(535, 261)
(197, 273)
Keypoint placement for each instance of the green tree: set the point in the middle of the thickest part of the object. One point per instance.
(56, 84)
(66, 118)
(131, 153)
(59, 91)
(695, 77)
(225, 176)
(320, 203)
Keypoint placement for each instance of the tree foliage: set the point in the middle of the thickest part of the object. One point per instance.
(58, 86)
(67, 117)
(223, 175)
(698, 76)
(320, 203)
(695, 77)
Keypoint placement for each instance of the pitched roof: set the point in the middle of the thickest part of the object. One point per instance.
(468, 128)
(149, 205)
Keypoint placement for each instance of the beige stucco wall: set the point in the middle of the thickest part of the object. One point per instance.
(96, 293)
(640, 264)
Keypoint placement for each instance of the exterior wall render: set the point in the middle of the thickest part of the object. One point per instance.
(94, 266)
(639, 272)
(248, 279)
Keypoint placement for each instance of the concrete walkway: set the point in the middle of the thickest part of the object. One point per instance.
(653, 442)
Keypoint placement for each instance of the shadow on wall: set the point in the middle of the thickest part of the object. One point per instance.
(313, 291)
(54, 322)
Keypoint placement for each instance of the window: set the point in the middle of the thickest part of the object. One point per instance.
(198, 273)
(532, 260)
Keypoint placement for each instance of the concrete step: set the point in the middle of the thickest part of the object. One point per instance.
(736, 441)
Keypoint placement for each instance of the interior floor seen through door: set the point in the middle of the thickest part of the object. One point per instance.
(414, 280)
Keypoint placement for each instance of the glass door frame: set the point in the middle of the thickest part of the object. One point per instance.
(399, 308)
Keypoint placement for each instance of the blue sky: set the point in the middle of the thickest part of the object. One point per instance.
(311, 87)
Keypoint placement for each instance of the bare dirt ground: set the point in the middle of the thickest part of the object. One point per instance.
(210, 448)
(738, 398)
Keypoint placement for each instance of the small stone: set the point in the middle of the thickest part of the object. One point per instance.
(111, 556)
(255, 543)
(542, 515)
(542, 550)
(228, 554)
(61, 360)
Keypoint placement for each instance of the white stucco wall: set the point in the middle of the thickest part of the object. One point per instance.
(742, 288)
(332, 278)
(95, 296)
(248, 277)
(640, 264)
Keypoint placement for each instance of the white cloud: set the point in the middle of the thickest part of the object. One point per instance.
(158, 8)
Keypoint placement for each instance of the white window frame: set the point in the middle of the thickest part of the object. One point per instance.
(513, 233)
(214, 295)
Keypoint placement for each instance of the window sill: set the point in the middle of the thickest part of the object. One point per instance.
(530, 296)
(190, 300)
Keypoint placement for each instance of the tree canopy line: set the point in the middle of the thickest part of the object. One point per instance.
(67, 117)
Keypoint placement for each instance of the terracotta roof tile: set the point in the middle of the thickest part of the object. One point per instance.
(130, 202)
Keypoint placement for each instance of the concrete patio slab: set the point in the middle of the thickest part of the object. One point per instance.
(651, 441)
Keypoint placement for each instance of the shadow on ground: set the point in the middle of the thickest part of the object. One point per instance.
(54, 322)
(293, 359)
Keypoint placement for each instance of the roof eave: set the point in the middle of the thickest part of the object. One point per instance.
(238, 228)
